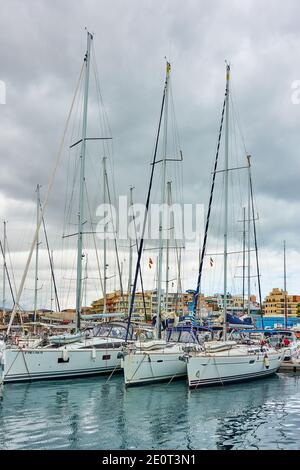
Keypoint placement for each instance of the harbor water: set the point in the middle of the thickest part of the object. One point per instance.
(90, 413)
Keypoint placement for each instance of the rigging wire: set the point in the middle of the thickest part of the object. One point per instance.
(146, 211)
(256, 248)
(50, 184)
(50, 260)
(7, 275)
(115, 242)
(141, 277)
(11, 267)
(94, 240)
(209, 209)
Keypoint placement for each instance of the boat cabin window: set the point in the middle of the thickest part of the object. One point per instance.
(275, 340)
(181, 337)
(101, 330)
(203, 336)
(118, 332)
(115, 331)
(186, 337)
(174, 336)
(143, 335)
(104, 346)
(242, 336)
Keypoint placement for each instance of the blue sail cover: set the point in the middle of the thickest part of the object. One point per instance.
(233, 320)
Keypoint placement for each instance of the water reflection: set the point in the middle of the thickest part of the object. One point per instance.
(92, 414)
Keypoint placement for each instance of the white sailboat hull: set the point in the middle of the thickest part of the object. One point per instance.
(233, 366)
(37, 364)
(143, 367)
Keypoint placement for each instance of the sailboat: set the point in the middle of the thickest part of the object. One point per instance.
(83, 352)
(158, 360)
(228, 361)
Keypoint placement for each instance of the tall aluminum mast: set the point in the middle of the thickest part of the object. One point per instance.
(36, 276)
(4, 272)
(161, 213)
(226, 203)
(82, 182)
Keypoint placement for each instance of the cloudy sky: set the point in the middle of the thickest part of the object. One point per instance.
(42, 45)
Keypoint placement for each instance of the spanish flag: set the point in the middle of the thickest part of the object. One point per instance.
(168, 67)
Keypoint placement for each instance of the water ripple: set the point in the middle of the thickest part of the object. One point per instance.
(90, 414)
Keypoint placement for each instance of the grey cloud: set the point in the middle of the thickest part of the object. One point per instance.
(42, 47)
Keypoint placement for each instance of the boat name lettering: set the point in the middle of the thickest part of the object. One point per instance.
(33, 352)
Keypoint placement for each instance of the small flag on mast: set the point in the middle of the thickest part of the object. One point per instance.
(150, 263)
(211, 261)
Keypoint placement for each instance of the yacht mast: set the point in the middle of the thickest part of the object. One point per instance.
(163, 200)
(51, 285)
(142, 239)
(285, 293)
(179, 284)
(4, 272)
(244, 255)
(169, 231)
(249, 239)
(104, 239)
(81, 182)
(130, 256)
(85, 279)
(226, 202)
(36, 276)
(207, 223)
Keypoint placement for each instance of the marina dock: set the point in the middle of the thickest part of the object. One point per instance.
(290, 366)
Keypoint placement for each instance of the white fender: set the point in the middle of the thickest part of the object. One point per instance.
(65, 354)
(266, 362)
(93, 354)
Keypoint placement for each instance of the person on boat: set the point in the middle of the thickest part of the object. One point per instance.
(285, 341)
